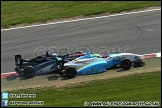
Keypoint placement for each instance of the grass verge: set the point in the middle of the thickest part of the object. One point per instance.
(20, 12)
(133, 88)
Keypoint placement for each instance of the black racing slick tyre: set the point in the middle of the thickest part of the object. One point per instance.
(70, 72)
(29, 72)
(126, 64)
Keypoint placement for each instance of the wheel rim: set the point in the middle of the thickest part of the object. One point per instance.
(29, 73)
(70, 72)
(126, 64)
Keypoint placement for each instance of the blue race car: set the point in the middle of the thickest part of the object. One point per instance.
(95, 63)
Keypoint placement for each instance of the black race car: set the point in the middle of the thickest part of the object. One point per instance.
(44, 64)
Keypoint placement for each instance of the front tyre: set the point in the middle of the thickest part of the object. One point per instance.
(70, 72)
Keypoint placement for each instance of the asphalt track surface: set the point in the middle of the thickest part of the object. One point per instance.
(137, 33)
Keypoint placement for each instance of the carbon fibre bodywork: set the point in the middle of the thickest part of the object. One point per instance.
(39, 65)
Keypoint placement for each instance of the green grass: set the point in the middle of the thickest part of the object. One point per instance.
(18, 12)
(138, 87)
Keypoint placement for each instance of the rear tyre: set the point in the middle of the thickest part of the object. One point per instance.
(16, 69)
(29, 72)
(126, 64)
(70, 72)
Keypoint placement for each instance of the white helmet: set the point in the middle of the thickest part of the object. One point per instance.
(54, 54)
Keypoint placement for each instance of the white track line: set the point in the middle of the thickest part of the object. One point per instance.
(81, 19)
(7, 73)
(158, 54)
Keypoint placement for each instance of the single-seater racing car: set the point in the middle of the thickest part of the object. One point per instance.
(95, 63)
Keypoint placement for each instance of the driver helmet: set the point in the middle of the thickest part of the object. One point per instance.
(53, 54)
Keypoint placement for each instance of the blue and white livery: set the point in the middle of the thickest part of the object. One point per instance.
(91, 64)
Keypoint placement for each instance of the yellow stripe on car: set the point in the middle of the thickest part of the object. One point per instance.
(83, 67)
